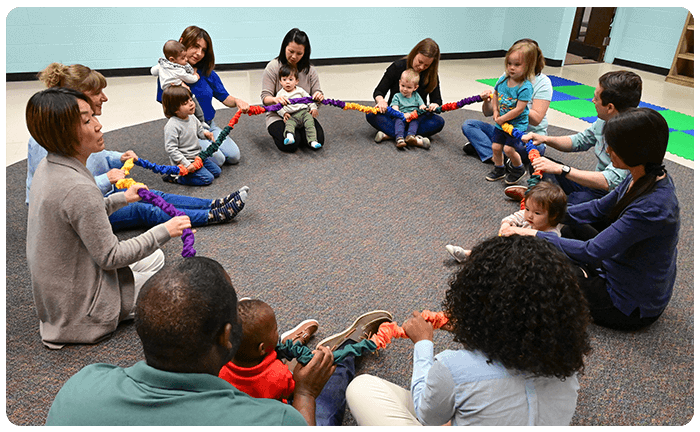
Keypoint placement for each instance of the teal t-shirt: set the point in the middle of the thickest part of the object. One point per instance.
(508, 98)
(407, 105)
(104, 395)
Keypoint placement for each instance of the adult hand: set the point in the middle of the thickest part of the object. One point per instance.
(536, 139)
(310, 380)
(132, 194)
(177, 224)
(318, 96)
(281, 100)
(314, 113)
(432, 107)
(417, 328)
(114, 175)
(129, 154)
(546, 166)
(381, 105)
(242, 105)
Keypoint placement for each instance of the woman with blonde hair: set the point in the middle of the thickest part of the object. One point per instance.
(424, 58)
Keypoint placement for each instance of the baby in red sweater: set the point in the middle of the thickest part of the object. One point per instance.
(255, 369)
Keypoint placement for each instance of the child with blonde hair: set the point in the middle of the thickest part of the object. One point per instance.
(545, 207)
(511, 96)
(406, 101)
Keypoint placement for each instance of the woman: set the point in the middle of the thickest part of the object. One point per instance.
(295, 51)
(424, 59)
(200, 54)
(516, 309)
(480, 133)
(106, 165)
(84, 279)
(628, 268)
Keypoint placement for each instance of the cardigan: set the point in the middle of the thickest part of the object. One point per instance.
(81, 281)
(637, 252)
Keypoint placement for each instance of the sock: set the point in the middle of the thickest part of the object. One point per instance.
(242, 193)
(226, 212)
(289, 139)
(315, 144)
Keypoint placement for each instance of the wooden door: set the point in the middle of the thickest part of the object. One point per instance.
(590, 34)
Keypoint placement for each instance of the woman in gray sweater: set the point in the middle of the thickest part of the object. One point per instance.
(84, 279)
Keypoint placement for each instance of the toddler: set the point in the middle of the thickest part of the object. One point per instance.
(296, 115)
(255, 368)
(173, 69)
(545, 207)
(182, 133)
(406, 101)
(511, 96)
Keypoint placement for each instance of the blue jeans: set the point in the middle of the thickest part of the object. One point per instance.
(400, 127)
(203, 176)
(430, 124)
(228, 152)
(330, 404)
(481, 135)
(143, 215)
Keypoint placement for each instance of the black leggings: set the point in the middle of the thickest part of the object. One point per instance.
(603, 311)
(276, 131)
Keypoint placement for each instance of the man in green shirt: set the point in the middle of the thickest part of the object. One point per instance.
(186, 318)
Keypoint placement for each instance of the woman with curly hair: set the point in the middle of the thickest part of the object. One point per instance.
(516, 309)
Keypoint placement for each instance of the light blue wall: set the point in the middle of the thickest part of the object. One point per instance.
(646, 35)
(112, 38)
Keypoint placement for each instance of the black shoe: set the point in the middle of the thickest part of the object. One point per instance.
(170, 178)
(469, 149)
(496, 174)
(515, 175)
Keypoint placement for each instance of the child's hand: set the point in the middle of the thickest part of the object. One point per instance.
(209, 135)
(314, 113)
(286, 116)
(407, 115)
(191, 168)
(504, 226)
(486, 95)
(511, 230)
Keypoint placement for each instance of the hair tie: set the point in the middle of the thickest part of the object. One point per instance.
(655, 168)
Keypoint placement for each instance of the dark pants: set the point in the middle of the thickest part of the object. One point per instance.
(402, 131)
(276, 131)
(430, 124)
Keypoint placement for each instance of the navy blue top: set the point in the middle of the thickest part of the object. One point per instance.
(637, 253)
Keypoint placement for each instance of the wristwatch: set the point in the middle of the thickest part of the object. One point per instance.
(565, 169)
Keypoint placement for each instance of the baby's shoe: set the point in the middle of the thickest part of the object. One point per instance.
(315, 144)
(289, 139)
(459, 254)
(400, 142)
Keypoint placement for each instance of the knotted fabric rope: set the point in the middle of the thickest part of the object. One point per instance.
(153, 199)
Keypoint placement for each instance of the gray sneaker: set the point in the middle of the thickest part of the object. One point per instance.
(515, 175)
(364, 327)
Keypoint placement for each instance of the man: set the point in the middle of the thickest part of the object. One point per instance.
(616, 91)
(187, 320)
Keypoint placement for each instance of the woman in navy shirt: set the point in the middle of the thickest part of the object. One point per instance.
(629, 268)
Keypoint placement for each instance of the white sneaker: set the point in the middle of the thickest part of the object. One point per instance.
(459, 254)
(380, 136)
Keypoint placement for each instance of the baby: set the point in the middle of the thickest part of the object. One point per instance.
(173, 69)
(296, 115)
(407, 101)
(545, 207)
(255, 368)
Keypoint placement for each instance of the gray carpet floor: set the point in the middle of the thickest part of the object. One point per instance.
(357, 226)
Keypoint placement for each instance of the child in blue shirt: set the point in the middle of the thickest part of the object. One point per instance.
(406, 101)
(511, 95)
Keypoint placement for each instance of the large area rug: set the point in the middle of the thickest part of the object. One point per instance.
(357, 226)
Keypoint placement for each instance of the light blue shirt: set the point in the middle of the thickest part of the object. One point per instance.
(98, 164)
(462, 387)
(593, 137)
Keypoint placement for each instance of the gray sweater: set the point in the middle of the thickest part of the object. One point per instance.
(182, 139)
(81, 281)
